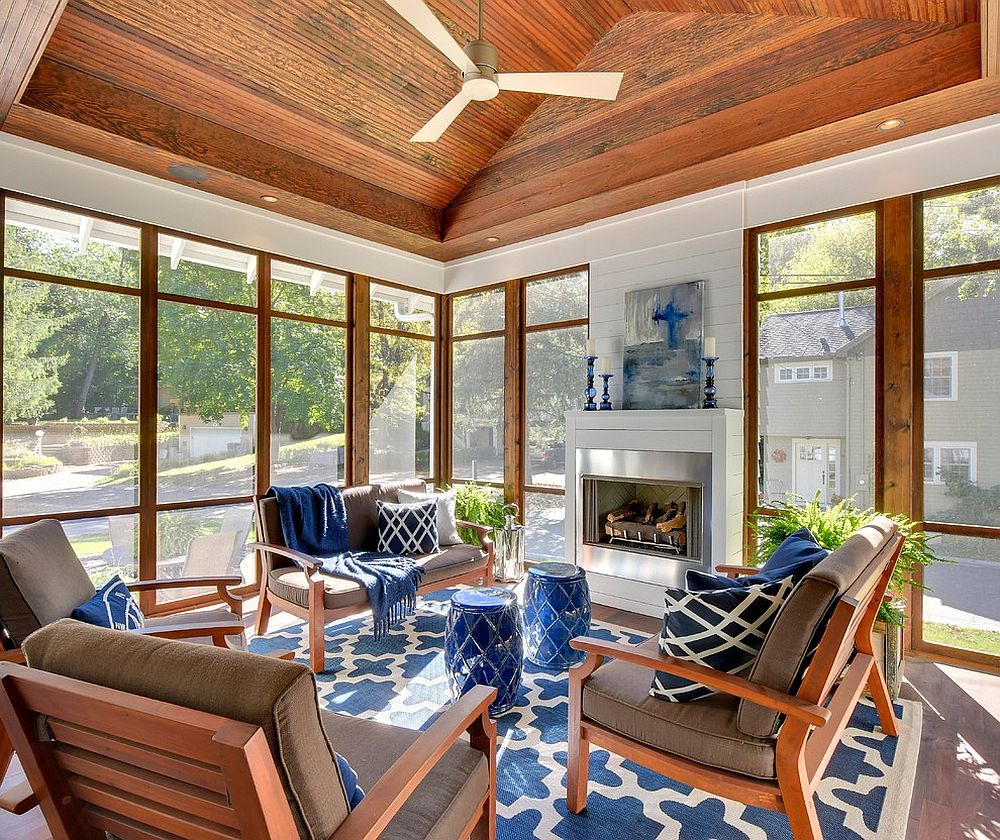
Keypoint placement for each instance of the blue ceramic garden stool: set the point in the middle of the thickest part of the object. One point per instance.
(556, 609)
(483, 644)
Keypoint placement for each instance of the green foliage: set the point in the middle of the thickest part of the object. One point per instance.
(973, 505)
(17, 456)
(175, 530)
(482, 505)
(832, 526)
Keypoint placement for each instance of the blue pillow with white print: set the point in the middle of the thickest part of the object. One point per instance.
(352, 790)
(408, 530)
(112, 606)
(798, 554)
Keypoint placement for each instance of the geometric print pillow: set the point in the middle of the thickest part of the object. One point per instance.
(112, 606)
(408, 530)
(723, 629)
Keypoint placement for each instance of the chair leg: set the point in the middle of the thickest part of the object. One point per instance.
(577, 771)
(801, 810)
(883, 702)
(793, 782)
(263, 610)
(317, 627)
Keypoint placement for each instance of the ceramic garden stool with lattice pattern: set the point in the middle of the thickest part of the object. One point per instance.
(556, 609)
(483, 644)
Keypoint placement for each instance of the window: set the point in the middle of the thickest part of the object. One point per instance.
(807, 373)
(949, 463)
(940, 376)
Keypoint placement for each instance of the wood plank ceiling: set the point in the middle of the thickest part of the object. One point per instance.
(314, 102)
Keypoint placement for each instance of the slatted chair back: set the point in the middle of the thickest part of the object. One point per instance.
(102, 760)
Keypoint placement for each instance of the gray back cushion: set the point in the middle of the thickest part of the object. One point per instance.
(41, 578)
(802, 619)
(277, 696)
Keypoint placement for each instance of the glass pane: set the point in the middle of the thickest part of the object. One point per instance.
(960, 606)
(70, 386)
(831, 251)
(477, 409)
(962, 228)
(197, 269)
(200, 542)
(308, 376)
(562, 298)
(207, 398)
(479, 312)
(962, 372)
(551, 390)
(402, 410)
(68, 244)
(818, 435)
(308, 291)
(402, 309)
(107, 546)
(545, 525)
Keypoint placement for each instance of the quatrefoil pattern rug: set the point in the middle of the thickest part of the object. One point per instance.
(401, 680)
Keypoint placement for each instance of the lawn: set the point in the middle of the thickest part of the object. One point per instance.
(968, 638)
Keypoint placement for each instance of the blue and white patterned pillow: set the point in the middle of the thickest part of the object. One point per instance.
(722, 629)
(112, 606)
(408, 530)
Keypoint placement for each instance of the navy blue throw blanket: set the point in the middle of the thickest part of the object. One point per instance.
(314, 521)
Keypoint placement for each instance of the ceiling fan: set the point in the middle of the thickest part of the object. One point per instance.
(479, 62)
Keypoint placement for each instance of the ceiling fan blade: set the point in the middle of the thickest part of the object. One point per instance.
(586, 85)
(421, 18)
(438, 124)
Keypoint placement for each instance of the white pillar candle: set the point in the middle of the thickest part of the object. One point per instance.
(591, 347)
(709, 346)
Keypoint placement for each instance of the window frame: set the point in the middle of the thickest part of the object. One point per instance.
(811, 376)
(952, 356)
(936, 447)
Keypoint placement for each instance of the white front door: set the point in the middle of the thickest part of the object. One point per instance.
(816, 467)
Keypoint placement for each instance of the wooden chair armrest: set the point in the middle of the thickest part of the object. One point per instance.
(719, 680)
(183, 582)
(483, 531)
(18, 799)
(736, 571)
(304, 561)
(16, 656)
(192, 631)
(389, 794)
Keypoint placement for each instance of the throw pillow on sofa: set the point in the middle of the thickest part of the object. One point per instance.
(722, 629)
(447, 522)
(112, 606)
(798, 554)
(407, 530)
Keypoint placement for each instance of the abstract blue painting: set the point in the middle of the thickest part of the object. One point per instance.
(663, 340)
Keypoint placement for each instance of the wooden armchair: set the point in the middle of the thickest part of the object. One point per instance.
(725, 744)
(106, 752)
(292, 581)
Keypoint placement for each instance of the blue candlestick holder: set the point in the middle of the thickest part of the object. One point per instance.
(710, 389)
(590, 392)
(606, 398)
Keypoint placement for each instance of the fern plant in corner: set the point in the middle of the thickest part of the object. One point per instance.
(832, 525)
(479, 504)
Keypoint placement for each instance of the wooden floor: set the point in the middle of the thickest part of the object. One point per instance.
(957, 790)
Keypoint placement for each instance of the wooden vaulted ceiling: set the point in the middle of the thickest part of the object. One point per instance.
(314, 102)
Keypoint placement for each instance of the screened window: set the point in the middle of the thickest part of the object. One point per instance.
(939, 376)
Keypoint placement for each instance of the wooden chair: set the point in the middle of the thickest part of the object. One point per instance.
(841, 603)
(292, 581)
(102, 759)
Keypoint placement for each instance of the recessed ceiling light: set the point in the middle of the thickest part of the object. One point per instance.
(270, 199)
(890, 124)
(492, 238)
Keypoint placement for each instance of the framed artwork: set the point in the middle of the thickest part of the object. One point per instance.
(664, 328)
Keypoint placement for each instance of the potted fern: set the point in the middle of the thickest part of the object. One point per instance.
(832, 525)
(482, 505)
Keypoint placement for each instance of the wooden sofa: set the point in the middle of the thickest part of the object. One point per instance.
(291, 581)
(764, 740)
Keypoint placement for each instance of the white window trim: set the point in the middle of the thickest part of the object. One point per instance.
(938, 445)
(813, 366)
(947, 354)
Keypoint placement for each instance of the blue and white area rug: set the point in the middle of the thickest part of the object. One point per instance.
(401, 680)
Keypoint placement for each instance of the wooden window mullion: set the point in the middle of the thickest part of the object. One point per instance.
(148, 376)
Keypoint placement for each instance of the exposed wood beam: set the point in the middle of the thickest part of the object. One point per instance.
(90, 102)
(25, 29)
(989, 21)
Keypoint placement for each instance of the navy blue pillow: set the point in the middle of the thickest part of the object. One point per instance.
(798, 554)
(352, 790)
(408, 530)
(112, 606)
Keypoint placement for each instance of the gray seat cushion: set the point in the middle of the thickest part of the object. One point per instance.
(277, 696)
(800, 621)
(41, 578)
(214, 616)
(291, 583)
(617, 697)
(442, 805)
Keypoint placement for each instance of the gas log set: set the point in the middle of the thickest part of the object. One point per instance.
(650, 525)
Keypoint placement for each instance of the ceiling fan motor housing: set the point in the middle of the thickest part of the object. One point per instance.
(481, 83)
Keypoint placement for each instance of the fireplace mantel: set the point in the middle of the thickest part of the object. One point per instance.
(595, 439)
